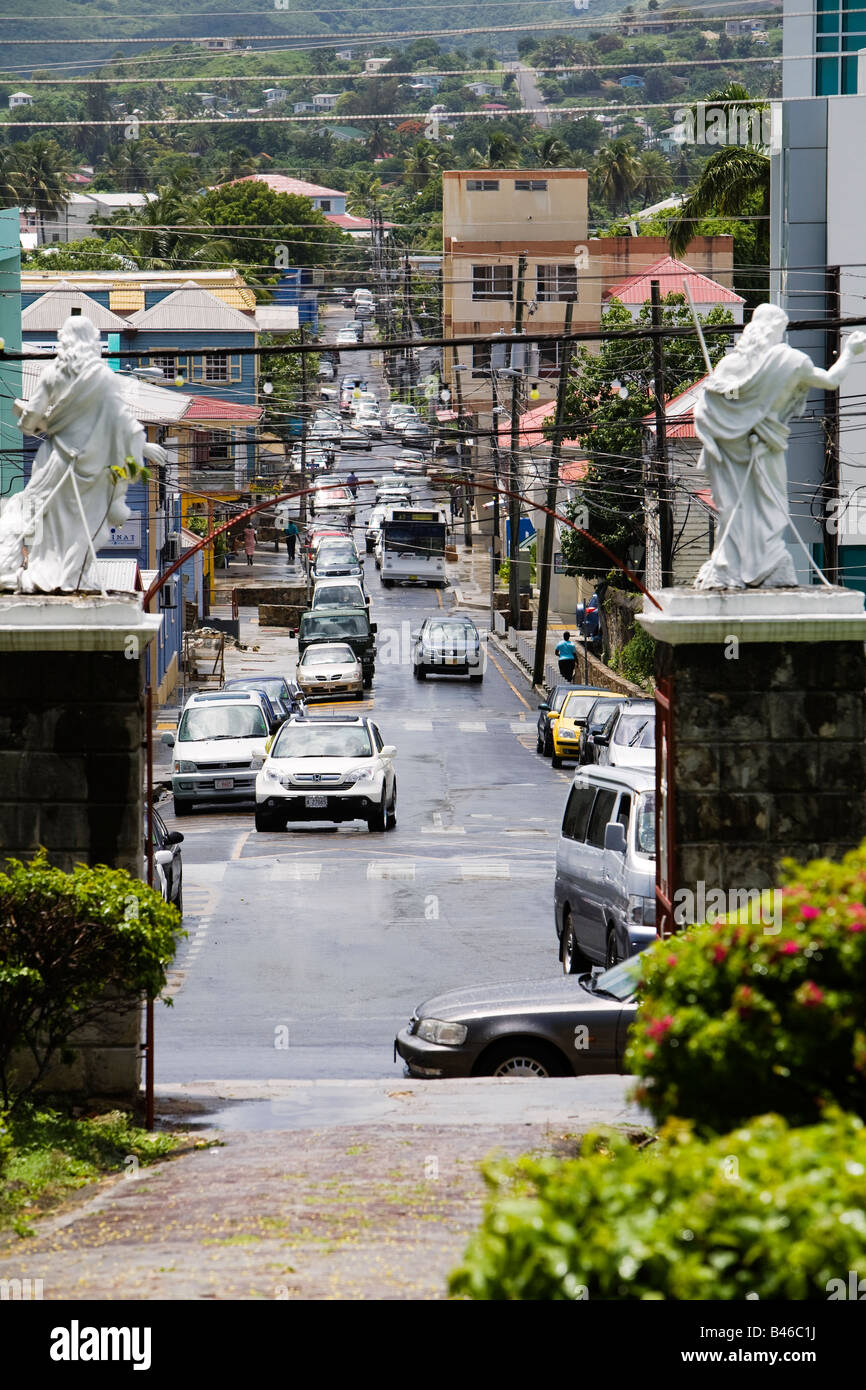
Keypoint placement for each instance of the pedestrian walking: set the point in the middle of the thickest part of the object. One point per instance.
(566, 654)
(291, 534)
(249, 543)
(454, 499)
(352, 483)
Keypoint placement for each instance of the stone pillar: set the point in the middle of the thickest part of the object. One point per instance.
(766, 757)
(72, 738)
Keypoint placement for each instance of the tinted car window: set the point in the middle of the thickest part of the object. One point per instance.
(601, 814)
(346, 625)
(646, 823)
(624, 812)
(577, 812)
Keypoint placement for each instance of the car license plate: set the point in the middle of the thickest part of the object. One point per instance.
(315, 802)
(413, 576)
(223, 784)
(452, 661)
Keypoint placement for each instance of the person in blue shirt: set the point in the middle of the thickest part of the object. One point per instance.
(566, 653)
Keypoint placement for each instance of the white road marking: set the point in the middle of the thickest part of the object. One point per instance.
(418, 726)
(297, 869)
(472, 726)
(520, 727)
(491, 869)
(443, 829)
(202, 875)
(383, 868)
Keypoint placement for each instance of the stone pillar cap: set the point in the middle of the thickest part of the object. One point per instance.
(816, 613)
(76, 623)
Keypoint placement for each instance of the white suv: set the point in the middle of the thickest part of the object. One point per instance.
(219, 748)
(327, 767)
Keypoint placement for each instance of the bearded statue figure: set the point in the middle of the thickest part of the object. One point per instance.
(742, 420)
(50, 532)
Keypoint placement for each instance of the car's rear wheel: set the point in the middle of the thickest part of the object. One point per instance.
(521, 1059)
(369, 545)
(368, 679)
(475, 680)
(612, 955)
(574, 962)
(387, 583)
(182, 806)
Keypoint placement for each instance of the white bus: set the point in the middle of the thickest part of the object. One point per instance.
(412, 546)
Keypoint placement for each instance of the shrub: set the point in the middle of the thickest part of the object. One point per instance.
(767, 1211)
(66, 939)
(636, 660)
(738, 1018)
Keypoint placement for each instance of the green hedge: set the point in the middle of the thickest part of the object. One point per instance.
(737, 1019)
(768, 1211)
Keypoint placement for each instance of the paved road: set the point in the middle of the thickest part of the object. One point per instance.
(325, 938)
(530, 95)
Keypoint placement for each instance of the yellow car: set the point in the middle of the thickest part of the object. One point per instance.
(566, 726)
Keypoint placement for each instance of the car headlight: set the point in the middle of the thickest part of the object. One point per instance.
(256, 764)
(641, 911)
(185, 767)
(361, 774)
(271, 774)
(434, 1030)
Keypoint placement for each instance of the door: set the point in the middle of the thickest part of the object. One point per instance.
(569, 889)
(596, 888)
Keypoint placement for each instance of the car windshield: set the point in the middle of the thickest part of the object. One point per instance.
(221, 721)
(557, 699)
(336, 741)
(338, 654)
(578, 706)
(344, 625)
(451, 632)
(337, 594)
(339, 493)
(636, 730)
(646, 823)
(619, 982)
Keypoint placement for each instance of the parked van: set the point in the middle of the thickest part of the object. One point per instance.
(219, 748)
(604, 896)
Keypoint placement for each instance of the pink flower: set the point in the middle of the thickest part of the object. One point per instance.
(672, 960)
(809, 994)
(719, 954)
(660, 1027)
(789, 948)
(808, 913)
(857, 926)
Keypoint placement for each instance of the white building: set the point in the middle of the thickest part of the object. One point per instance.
(275, 96)
(20, 99)
(325, 101)
(74, 221)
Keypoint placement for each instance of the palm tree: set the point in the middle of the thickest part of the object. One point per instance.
(503, 151)
(42, 167)
(551, 153)
(365, 193)
(377, 140)
(421, 164)
(616, 173)
(654, 176)
(235, 165)
(734, 179)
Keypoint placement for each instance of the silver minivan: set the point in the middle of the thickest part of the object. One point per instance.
(604, 897)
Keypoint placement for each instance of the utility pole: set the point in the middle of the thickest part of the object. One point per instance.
(832, 508)
(513, 470)
(546, 560)
(458, 390)
(663, 484)
(302, 506)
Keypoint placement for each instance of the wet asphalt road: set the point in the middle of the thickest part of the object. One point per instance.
(309, 948)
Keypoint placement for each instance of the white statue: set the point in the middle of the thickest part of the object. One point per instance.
(741, 420)
(50, 532)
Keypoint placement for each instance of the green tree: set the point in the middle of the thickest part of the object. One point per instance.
(551, 153)
(90, 253)
(285, 228)
(654, 176)
(39, 170)
(616, 174)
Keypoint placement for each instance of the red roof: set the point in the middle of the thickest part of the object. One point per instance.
(670, 274)
(573, 472)
(679, 413)
(210, 408)
(282, 183)
(347, 222)
(704, 495)
(531, 424)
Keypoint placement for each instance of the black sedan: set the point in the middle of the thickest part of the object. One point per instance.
(286, 697)
(167, 863)
(576, 1026)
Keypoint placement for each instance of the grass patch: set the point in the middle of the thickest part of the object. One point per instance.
(46, 1155)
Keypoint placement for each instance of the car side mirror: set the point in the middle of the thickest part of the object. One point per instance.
(168, 740)
(174, 838)
(163, 857)
(614, 837)
(374, 628)
(293, 632)
(601, 740)
(389, 750)
(545, 705)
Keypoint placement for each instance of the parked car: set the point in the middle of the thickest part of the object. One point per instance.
(525, 1029)
(631, 740)
(329, 668)
(350, 625)
(334, 768)
(412, 461)
(417, 433)
(355, 439)
(167, 861)
(589, 623)
(337, 592)
(218, 748)
(285, 696)
(596, 729)
(398, 411)
(374, 526)
(604, 892)
(447, 646)
(566, 726)
(325, 371)
(548, 711)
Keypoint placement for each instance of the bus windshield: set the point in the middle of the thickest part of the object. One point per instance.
(419, 537)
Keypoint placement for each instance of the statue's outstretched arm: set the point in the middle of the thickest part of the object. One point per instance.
(831, 378)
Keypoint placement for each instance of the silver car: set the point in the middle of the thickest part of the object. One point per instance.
(330, 668)
(604, 893)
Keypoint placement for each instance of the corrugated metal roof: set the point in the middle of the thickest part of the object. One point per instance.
(531, 426)
(152, 405)
(123, 576)
(679, 413)
(192, 310)
(210, 408)
(277, 318)
(281, 183)
(670, 274)
(48, 313)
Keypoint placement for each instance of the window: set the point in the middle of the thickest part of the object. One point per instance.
(324, 205)
(492, 281)
(481, 359)
(601, 814)
(555, 283)
(577, 811)
(482, 185)
(624, 812)
(165, 364)
(216, 366)
(530, 185)
(219, 444)
(549, 358)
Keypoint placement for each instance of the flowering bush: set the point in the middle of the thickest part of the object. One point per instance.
(767, 1212)
(737, 1018)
